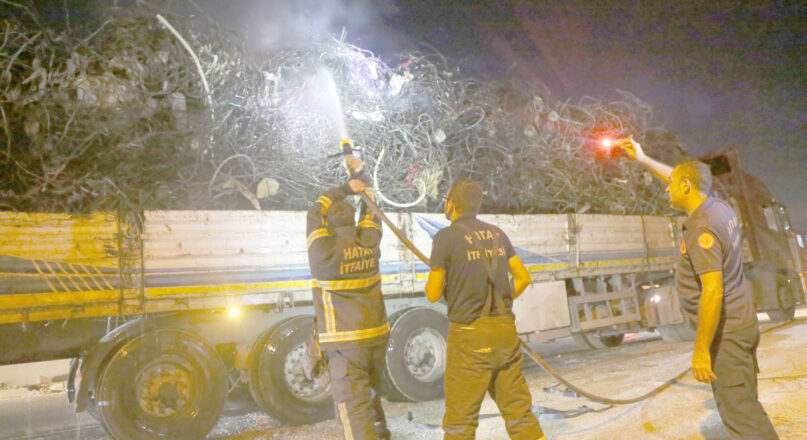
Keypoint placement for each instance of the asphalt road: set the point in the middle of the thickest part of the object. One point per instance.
(683, 411)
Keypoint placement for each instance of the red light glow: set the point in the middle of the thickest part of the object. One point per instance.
(606, 144)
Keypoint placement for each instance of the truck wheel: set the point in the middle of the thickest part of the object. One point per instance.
(416, 355)
(163, 384)
(787, 305)
(612, 340)
(277, 380)
(591, 339)
(676, 332)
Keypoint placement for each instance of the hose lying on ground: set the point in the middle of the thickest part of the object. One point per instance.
(545, 413)
(537, 359)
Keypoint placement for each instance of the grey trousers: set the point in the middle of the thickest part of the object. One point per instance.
(735, 390)
(355, 384)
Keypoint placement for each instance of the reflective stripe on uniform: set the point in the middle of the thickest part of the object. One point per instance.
(369, 224)
(325, 201)
(354, 335)
(358, 283)
(315, 234)
(330, 318)
(343, 417)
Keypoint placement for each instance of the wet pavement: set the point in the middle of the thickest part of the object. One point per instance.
(685, 410)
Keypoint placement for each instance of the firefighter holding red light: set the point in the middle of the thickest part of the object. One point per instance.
(351, 322)
(715, 295)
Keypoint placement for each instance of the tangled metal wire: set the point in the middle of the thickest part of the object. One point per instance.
(128, 111)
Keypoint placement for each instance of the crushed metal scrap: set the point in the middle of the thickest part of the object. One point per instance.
(115, 113)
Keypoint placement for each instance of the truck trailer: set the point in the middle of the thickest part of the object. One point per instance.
(165, 312)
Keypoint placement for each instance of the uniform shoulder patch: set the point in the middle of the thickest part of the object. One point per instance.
(706, 240)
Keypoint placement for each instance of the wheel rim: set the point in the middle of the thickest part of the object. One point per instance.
(300, 386)
(164, 389)
(162, 384)
(424, 355)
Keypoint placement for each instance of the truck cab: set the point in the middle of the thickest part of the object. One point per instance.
(772, 261)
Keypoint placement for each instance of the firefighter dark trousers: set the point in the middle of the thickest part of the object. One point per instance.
(356, 384)
(484, 357)
(735, 390)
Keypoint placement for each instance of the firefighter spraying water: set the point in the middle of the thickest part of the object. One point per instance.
(351, 321)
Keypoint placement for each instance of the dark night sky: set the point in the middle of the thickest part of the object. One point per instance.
(717, 73)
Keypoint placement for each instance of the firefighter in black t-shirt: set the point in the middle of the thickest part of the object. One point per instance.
(470, 263)
(351, 323)
(715, 295)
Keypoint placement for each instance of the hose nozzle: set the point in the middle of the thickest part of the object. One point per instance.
(346, 146)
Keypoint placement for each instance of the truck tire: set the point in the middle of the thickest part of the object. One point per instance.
(612, 340)
(416, 355)
(277, 380)
(787, 305)
(163, 384)
(676, 332)
(590, 339)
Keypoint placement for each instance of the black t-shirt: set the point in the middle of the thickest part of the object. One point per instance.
(712, 242)
(459, 249)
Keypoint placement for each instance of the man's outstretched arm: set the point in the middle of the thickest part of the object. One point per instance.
(635, 152)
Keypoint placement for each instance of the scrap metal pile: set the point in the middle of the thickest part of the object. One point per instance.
(127, 110)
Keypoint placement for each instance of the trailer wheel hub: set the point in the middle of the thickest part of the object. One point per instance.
(298, 384)
(425, 354)
(164, 390)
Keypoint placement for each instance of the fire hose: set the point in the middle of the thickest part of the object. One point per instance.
(524, 347)
(527, 350)
(346, 147)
